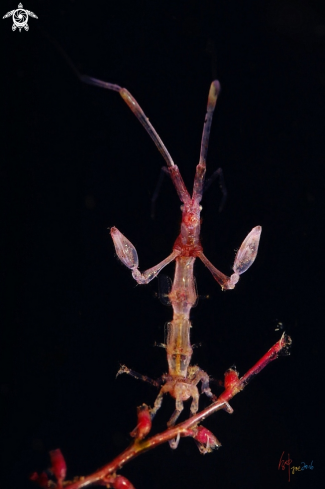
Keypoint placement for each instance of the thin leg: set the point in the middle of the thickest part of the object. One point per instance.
(197, 375)
(174, 443)
(179, 408)
(164, 171)
(218, 174)
(137, 111)
(129, 257)
(201, 376)
(125, 370)
(151, 273)
(205, 387)
(223, 280)
(159, 399)
(228, 408)
(195, 402)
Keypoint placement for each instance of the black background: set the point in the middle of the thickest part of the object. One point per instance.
(76, 161)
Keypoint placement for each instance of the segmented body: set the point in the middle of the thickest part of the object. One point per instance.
(182, 379)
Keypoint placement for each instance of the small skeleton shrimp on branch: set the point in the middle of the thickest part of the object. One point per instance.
(182, 378)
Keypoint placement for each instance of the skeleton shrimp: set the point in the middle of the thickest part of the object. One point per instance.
(182, 378)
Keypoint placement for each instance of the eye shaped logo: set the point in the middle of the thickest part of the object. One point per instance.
(20, 18)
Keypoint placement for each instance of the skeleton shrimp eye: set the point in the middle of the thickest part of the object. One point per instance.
(200, 207)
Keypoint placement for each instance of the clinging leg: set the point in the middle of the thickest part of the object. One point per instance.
(159, 399)
(164, 170)
(198, 375)
(129, 257)
(183, 391)
(218, 174)
(179, 406)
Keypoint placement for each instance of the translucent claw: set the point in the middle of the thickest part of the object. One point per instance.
(247, 252)
(124, 249)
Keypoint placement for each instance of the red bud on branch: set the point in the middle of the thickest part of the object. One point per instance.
(122, 483)
(206, 440)
(41, 480)
(144, 423)
(59, 467)
(116, 482)
(231, 378)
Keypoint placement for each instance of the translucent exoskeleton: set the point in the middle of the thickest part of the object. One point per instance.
(182, 379)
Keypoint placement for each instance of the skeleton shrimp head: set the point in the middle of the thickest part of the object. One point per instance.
(188, 240)
(191, 223)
